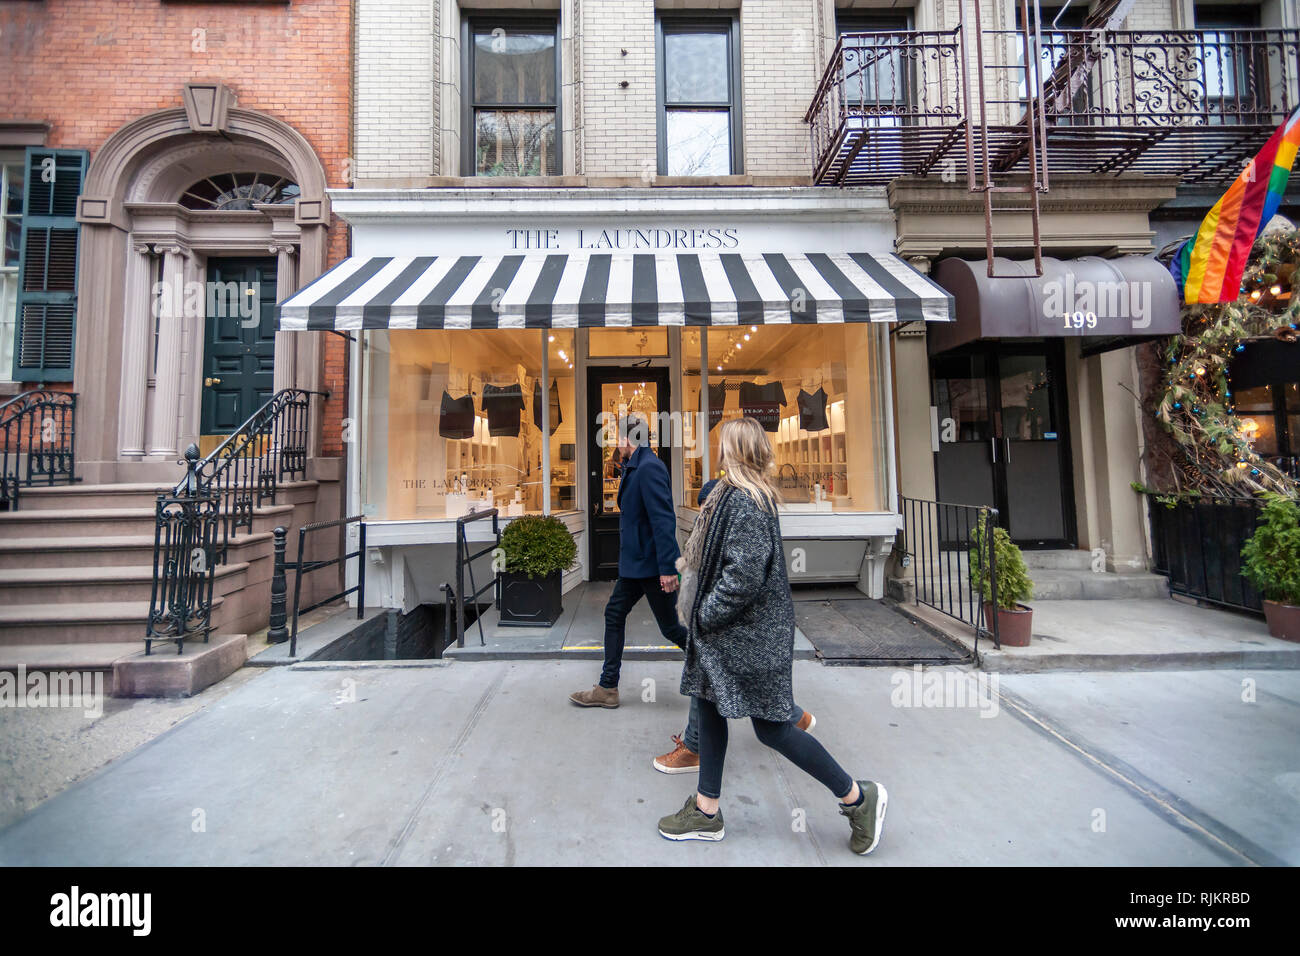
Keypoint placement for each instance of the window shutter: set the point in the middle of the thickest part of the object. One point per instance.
(47, 265)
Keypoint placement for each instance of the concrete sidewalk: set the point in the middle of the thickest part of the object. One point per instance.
(1128, 634)
(487, 763)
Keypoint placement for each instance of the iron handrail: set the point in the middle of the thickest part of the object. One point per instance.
(464, 562)
(302, 567)
(241, 474)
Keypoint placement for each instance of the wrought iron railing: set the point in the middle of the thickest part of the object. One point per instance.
(213, 502)
(184, 569)
(937, 541)
(1193, 103)
(284, 617)
(1197, 545)
(875, 85)
(38, 430)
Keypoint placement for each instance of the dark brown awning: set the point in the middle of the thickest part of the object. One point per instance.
(1108, 303)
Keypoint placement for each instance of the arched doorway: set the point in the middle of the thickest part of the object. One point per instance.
(195, 221)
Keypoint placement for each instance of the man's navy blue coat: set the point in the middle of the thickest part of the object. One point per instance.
(647, 523)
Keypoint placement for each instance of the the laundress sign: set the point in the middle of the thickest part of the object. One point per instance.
(623, 238)
(757, 232)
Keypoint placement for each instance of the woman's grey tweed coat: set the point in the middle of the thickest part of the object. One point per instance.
(740, 641)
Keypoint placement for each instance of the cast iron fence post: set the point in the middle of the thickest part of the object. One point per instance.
(278, 633)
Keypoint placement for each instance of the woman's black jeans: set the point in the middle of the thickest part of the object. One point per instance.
(800, 748)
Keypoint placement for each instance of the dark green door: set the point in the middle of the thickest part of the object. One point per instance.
(239, 343)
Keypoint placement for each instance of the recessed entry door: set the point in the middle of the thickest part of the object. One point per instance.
(1003, 440)
(239, 345)
(615, 392)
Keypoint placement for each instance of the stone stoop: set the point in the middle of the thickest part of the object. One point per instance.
(1067, 575)
(121, 669)
(76, 575)
(1061, 575)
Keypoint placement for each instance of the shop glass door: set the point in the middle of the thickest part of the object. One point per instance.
(1002, 440)
(611, 394)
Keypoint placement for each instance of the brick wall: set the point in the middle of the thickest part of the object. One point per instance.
(90, 66)
(397, 68)
(781, 68)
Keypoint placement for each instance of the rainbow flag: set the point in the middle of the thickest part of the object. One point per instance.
(1208, 267)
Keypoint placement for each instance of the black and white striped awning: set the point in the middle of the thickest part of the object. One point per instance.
(591, 289)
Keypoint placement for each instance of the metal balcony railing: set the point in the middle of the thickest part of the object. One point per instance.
(1193, 103)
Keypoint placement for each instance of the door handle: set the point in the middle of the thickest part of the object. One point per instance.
(209, 382)
(993, 443)
(1008, 441)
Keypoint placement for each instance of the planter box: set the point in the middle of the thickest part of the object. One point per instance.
(530, 602)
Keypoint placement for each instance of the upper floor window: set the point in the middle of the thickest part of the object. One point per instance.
(876, 61)
(1233, 60)
(511, 97)
(1062, 50)
(699, 96)
(11, 209)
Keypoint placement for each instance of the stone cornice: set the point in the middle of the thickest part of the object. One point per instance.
(1066, 195)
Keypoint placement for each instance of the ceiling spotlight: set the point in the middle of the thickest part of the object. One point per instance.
(753, 328)
(550, 338)
(746, 336)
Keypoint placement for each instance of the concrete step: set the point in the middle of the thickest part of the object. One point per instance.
(81, 674)
(108, 522)
(1052, 585)
(82, 666)
(92, 585)
(90, 623)
(1058, 560)
(102, 551)
(69, 497)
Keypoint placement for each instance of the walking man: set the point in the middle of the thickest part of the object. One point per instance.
(647, 556)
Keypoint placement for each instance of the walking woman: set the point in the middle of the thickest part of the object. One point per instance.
(736, 606)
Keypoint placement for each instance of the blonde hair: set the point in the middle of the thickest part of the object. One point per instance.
(748, 461)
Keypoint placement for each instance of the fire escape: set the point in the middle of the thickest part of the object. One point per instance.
(1007, 109)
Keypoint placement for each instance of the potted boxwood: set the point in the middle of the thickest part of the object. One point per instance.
(1271, 562)
(537, 550)
(1015, 619)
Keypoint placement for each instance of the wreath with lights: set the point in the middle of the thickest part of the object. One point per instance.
(1197, 406)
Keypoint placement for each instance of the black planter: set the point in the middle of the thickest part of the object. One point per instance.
(530, 602)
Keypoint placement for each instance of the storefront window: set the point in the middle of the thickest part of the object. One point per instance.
(1256, 411)
(452, 422)
(817, 391)
(627, 343)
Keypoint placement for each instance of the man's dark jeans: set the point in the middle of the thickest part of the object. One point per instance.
(627, 591)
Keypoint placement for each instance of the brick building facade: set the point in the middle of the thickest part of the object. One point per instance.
(77, 71)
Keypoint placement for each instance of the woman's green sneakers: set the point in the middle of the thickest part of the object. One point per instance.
(689, 823)
(867, 818)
